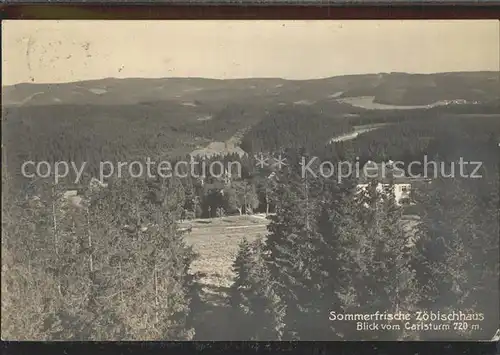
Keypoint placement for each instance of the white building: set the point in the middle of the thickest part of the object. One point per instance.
(401, 190)
(386, 174)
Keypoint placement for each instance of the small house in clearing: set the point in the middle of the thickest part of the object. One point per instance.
(386, 174)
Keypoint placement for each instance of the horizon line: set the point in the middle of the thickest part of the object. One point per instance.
(249, 78)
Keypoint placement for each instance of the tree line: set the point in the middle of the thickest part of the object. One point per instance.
(331, 249)
(119, 267)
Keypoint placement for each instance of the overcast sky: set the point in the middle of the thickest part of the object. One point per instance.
(63, 51)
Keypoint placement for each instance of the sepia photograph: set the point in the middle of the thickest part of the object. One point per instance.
(230, 180)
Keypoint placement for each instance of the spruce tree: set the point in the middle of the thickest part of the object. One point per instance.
(385, 262)
(443, 253)
(297, 251)
(256, 307)
(458, 251)
(238, 300)
(338, 226)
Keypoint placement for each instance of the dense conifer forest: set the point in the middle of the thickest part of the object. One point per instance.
(118, 266)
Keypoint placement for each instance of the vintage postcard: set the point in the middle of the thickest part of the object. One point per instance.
(250, 180)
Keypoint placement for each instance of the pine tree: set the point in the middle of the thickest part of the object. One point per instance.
(256, 307)
(29, 294)
(458, 250)
(296, 251)
(443, 247)
(337, 221)
(486, 253)
(44, 244)
(238, 299)
(153, 261)
(385, 262)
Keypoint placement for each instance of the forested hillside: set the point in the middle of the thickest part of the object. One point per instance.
(116, 266)
(131, 119)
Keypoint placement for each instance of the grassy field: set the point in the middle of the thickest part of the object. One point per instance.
(216, 241)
